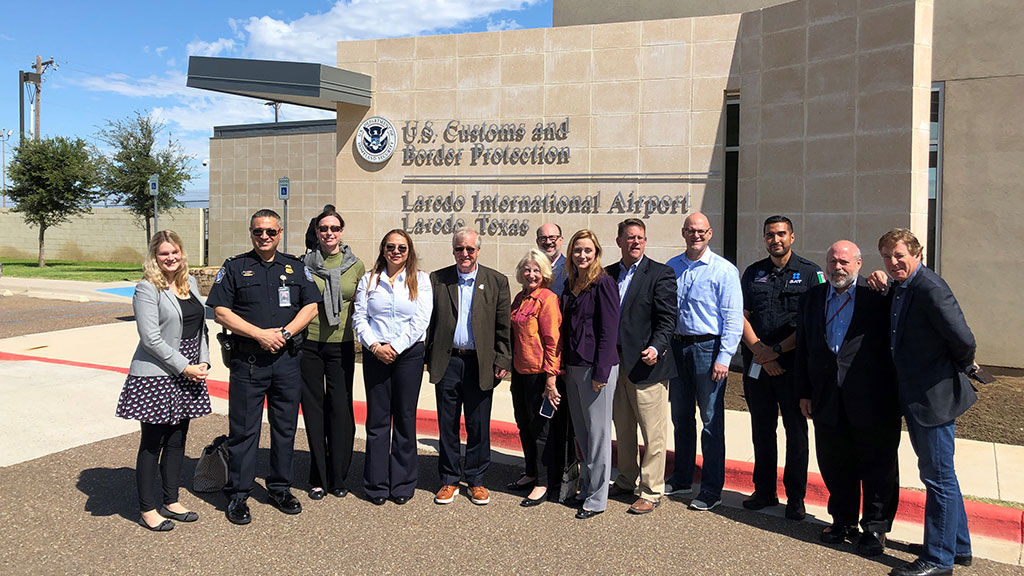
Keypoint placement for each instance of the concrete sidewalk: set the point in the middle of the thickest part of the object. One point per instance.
(74, 378)
(72, 290)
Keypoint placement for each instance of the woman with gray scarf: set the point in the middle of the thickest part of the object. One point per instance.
(328, 359)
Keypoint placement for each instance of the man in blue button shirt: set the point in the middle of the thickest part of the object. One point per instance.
(708, 331)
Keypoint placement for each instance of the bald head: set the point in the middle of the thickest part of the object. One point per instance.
(843, 263)
(696, 234)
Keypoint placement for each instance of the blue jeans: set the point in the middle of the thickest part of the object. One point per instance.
(692, 385)
(945, 520)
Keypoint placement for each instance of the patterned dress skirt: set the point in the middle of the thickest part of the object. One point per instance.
(165, 399)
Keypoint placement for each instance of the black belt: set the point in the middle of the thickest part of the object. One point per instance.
(463, 352)
(688, 340)
(249, 346)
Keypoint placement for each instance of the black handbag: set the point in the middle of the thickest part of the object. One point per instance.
(212, 468)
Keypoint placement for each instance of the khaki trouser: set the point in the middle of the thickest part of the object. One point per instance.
(646, 405)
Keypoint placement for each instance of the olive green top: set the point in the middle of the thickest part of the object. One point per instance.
(319, 329)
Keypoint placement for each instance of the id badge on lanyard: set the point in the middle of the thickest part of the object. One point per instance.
(284, 295)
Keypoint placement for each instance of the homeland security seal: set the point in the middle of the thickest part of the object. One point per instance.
(376, 139)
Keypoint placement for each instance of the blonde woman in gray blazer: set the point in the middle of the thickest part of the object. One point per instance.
(166, 383)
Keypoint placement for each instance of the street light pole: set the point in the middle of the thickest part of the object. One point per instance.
(5, 135)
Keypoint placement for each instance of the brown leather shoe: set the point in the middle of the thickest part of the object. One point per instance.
(446, 495)
(479, 495)
(643, 506)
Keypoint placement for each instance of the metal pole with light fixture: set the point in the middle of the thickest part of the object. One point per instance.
(154, 190)
(5, 135)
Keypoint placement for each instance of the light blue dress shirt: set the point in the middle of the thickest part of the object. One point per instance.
(625, 278)
(710, 300)
(463, 337)
(559, 274)
(838, 314)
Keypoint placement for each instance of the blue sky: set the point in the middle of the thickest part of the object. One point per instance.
(116, 57)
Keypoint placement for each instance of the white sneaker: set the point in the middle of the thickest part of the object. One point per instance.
(698, 504)
(671, 490)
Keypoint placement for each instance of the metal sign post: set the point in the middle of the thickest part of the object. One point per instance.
(283, 192)
(154, 190)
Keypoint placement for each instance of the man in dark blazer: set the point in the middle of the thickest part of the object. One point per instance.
(847, 384)
(933, 349)
(468, 352)
(647, 301)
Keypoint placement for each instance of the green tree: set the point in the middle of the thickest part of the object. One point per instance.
(53, 180)
(135, 157)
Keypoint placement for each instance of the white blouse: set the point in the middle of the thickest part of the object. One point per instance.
(384, 313)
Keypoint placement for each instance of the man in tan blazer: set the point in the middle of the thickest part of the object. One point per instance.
(468, 352)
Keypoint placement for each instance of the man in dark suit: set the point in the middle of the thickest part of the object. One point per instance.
(847, 383)
(933, 349)
(469, 351)
(647, 299)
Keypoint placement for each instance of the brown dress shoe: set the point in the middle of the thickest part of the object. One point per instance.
(479, 495)
(446, 495)
(643, 506)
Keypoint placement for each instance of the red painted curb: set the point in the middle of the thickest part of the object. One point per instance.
(999, 522)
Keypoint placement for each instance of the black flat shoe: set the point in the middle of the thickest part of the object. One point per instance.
(585, 514)
(238, 512)
(530, 503)
(339, 492)
(286, 502)
(959, 559)
(316, 494)
(378, 500)
(164, 526)
(837, 533)
(189, 516)
(517, 486)
(400, 500)
(871, 543)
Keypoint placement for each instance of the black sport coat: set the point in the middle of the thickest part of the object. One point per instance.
(648, 318)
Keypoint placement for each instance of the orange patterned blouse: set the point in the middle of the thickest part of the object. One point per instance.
(536, 334)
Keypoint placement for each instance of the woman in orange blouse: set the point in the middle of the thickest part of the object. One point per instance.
(536, 358)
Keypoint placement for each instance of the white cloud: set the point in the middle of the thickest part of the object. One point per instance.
(215, 48)
(493, 26)
(160, 50)
(172, 84)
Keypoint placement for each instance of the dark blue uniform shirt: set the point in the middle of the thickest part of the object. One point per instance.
(249, 287)
(771, 294)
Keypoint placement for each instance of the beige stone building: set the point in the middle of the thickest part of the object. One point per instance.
(850, 117)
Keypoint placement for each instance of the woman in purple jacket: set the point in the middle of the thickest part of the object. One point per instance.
(590, 328)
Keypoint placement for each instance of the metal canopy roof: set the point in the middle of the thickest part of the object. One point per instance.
(299, 83)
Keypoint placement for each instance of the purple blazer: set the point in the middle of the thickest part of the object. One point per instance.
(590, 327)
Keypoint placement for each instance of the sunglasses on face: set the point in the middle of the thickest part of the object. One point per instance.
(466, 249)
(400, 248)
(258, 232)
(330, 228)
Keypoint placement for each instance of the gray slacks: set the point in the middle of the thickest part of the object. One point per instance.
(591, 414)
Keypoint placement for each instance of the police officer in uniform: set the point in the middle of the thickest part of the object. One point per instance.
(771, 289)
(266, 299)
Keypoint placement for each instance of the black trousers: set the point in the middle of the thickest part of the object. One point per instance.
(766, 397)
(851, 458)
(541, 450)
(277, 379)
(164, 443)
(459, 391)
(327, 370)
(392, 393)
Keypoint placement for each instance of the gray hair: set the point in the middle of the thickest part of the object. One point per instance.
(462, 233)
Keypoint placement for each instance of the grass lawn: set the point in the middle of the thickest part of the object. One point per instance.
(70, 270)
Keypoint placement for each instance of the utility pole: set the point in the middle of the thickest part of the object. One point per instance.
(37, 79)
(277, 106)
(5, 135)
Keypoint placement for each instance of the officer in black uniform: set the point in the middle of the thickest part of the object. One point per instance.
(771, 289)
(266, 299)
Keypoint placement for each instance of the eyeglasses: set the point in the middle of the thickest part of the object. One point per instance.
(400, 248)
(548, 238)
(258, 232)
(330, 228)
(696, 231)
(466, 249)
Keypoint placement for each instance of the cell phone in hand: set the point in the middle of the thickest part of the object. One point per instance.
(547, 409)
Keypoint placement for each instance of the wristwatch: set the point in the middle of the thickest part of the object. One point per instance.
(287, 335)
(778, 349)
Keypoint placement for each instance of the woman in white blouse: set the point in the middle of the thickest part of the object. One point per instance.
(392, 310)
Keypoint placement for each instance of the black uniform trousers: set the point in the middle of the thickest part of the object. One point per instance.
(851, 457)
(543, 447)
(276, 378)
(392, 394)
(766, 397)
(458, 390)
(327, 375)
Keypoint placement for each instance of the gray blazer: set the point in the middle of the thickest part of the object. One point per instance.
(158, 318)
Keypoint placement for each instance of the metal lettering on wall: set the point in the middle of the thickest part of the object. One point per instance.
(486, 213)
(484, 144)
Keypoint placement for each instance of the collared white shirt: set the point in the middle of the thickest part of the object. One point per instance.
(626, 278)
(463, 337)
(384, 313)
(710, 300)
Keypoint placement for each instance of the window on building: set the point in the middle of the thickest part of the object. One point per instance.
(933, 243)
(730, 177)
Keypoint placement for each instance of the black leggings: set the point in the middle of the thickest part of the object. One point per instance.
(170, 440)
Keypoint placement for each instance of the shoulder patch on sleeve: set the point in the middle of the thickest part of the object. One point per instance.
(309, 275)
(220, 274)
